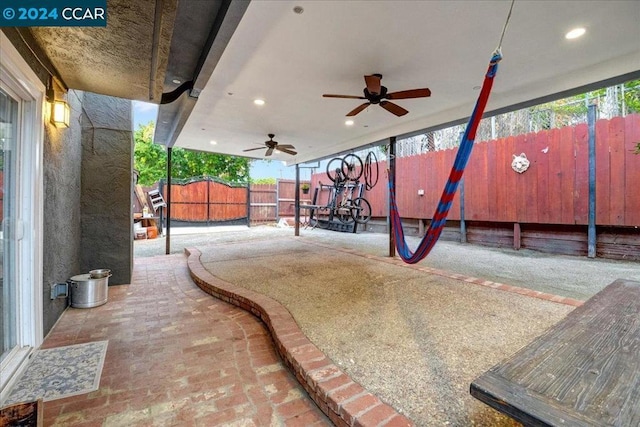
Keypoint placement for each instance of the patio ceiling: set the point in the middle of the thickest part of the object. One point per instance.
(290, 59)
(147, 49)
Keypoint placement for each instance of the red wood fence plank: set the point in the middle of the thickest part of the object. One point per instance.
(522, 190)
(492, 179)
(541, 163)
(617, 171)
(555, 193)
(568, 174)
(482, 200)
(632, 171)
(531, 180)
(473, 186)
(454, 213)
(603, 182)
(510, 179)
(581, 192)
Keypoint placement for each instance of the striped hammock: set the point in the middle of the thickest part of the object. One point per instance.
(462, 157)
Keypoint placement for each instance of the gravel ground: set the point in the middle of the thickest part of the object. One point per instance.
(415, 339)
(575, 277)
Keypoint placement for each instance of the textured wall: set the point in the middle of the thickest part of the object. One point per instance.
(61, 219)
(106, 187)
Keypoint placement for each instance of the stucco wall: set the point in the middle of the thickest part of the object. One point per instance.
(61, 232)
(106, 187)
(87, 184)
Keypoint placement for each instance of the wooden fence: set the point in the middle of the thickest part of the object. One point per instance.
(208, 200)
(548, 202)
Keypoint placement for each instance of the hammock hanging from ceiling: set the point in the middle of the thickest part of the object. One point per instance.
(464, 151)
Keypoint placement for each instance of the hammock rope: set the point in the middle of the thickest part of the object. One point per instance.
(462, 157)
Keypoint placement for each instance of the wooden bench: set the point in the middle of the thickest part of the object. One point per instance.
(584, 371)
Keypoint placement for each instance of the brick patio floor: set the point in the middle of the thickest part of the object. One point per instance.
(177, 356)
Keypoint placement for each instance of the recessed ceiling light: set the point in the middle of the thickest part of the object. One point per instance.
(575, 33)
(258, 101)
(349, 123)
(176, 81)
(298, 9)
(212, 142)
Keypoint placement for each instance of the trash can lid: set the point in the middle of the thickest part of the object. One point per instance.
(81, 278)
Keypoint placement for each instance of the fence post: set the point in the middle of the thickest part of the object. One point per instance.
(168, 200)
(463, 224)
(249, 204)
(161, 189)
(392, 181)
(208, 199)
(278, 183)
(296, 215)
(591, 234)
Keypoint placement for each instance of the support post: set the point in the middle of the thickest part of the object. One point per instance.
(168, 239)
(208, 200)
(392, 180)
(162, 210)
(463, 224)
(249, 204)
(296, 219)
(591, 234)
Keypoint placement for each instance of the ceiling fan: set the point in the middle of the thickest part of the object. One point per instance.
(273, 145)
(375, 93)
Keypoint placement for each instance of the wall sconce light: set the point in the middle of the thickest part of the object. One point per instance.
(60, 113)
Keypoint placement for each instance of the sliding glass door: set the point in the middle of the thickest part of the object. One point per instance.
(9, 107)
(21, 181)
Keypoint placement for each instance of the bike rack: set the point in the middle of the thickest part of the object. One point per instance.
(331, 223)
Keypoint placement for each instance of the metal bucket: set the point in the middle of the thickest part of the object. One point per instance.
(87, 292)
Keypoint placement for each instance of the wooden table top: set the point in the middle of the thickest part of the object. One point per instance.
(584, 371)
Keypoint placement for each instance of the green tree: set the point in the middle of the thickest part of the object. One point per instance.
(151, 159)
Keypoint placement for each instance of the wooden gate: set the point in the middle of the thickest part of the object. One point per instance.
(208, 200)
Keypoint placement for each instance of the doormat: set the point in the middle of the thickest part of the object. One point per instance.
(60, 372)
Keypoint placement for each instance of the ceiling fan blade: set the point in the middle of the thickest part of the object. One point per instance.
(269, 151)
(289, 146)
(412, 93)
(393, 108)
(252, 149)
(373, 83)
(286, 150)
(344, 96)
(358, 109)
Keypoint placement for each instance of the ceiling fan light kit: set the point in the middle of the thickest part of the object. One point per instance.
(375, 93)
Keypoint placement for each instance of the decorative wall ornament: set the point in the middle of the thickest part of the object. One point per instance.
(520, 163)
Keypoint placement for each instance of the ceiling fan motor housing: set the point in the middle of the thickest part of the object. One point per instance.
(373, 98)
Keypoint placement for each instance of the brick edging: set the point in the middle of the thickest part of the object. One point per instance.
(344, 401)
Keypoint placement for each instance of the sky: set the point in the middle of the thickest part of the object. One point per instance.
(144, 112)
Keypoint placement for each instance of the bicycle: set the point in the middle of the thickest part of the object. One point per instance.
(345, 174)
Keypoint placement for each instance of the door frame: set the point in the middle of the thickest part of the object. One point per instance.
(20, 79)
